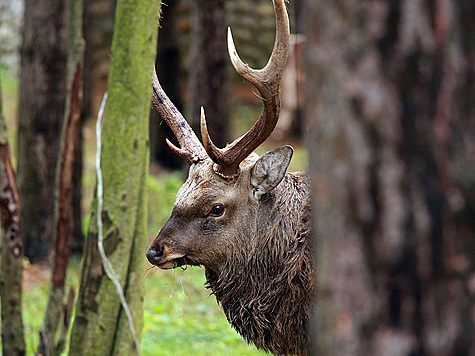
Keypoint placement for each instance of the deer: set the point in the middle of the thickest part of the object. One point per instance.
(244, 218)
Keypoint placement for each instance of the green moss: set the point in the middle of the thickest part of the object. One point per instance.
(124, 161)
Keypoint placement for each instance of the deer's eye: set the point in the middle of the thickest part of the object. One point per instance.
(216, 210)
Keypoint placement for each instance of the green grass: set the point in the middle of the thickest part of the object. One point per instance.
(182, 318)
(36, 284)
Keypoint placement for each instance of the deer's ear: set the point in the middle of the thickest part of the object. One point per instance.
(269, 170)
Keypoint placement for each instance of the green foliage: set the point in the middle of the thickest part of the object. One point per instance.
(161, 196)
(9, 84)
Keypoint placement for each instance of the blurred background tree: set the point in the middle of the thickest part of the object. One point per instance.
(209, 72)
(390, 93)
(41, 110)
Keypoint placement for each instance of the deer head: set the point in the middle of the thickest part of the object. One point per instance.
(215, 209)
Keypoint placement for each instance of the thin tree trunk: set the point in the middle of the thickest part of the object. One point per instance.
(13, 342)
(209, 77)
(98, 31)
(64, 220)
(41, 111)
(101, 326)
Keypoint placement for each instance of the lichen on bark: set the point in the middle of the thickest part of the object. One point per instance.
(100, 328)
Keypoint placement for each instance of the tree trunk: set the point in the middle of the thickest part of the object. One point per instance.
(13, 342)
(41, 110)
(209, 69)
(101, 326)
(167, 66)
(64, 219)
(98, 29)
(391, 134)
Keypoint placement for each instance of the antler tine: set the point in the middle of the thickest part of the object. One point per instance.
(267, 82)
(191, 148)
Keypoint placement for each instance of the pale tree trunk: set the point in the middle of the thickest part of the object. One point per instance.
(391, 137)
(13, 342)
(41, 110)
(209, 77)
(101, 326)
(52, 340)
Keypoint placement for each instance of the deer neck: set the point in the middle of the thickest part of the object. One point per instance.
(261, 288)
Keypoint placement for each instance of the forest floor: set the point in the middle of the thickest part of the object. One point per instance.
(180, 315)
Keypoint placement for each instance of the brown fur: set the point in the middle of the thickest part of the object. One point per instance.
(257, 256)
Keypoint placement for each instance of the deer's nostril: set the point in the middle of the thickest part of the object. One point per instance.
(154, 256)
(150, 255)
(160, 252)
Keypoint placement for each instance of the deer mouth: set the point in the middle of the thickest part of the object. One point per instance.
(171, 262)
(164, 258)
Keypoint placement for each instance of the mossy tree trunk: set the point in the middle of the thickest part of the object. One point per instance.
(101, 326)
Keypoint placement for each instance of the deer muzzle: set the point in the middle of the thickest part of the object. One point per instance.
(162, 258)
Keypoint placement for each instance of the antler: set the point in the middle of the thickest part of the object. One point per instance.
(191, 148)
(267, 82)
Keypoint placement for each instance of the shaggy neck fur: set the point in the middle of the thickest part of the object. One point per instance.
(266, 288)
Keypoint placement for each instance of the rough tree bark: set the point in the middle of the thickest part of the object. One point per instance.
(41, 110)
(13, 342)
(64, 217)
(209, 69)
(391, 141)
(101, 326)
